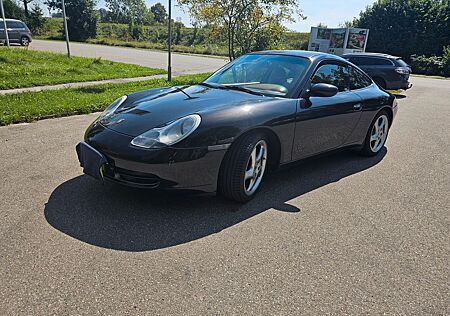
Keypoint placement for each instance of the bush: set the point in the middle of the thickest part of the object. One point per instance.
(433, 65)
(446, 61)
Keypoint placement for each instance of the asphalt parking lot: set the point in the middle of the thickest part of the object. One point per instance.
(338, 235)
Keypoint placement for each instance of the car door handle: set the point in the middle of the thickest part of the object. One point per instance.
(357, 106)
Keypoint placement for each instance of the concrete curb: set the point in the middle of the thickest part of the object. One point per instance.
(79, 84)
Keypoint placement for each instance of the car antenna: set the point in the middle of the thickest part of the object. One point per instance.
(184, 92)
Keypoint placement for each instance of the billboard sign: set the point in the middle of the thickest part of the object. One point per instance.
(338, 40)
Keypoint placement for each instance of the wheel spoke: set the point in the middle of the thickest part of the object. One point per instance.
(249, 174)
(260, 154)
(253, 158)
(382, 124)
(377, 142)
(373, 137)
(376, 127)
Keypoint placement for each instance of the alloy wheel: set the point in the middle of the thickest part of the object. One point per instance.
(256, 166)
(379, 133)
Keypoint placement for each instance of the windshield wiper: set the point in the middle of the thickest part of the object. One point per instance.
(209, 85)
(240, 88)
(229, 87)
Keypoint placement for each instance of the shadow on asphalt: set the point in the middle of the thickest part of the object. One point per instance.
(121, 218)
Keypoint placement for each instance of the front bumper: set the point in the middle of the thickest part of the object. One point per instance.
(167, 168)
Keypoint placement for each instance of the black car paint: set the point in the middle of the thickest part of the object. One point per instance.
(302, 127)
(387, 73)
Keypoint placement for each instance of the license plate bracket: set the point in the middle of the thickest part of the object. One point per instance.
(92, 161)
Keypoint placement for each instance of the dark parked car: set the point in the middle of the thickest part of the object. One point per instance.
(18, 32)
(389, 72)
(259, 112)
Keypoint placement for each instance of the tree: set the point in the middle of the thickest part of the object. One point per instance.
(35, 19)
(129, 12)
(81, 17)
(25, 6)
(12, 10)
(243, 20)
(104, 15)
(159, 12)
(407, 27)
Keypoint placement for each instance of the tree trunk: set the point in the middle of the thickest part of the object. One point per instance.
(25, 7)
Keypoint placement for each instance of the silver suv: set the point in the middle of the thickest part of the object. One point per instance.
(18, 32)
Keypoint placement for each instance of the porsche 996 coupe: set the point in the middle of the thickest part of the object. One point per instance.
(257, 113)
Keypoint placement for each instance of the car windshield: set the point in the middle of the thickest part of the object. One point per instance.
(275, 75)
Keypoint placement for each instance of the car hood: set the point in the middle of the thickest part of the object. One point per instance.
(148, 109)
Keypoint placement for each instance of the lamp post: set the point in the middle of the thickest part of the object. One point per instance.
(169, 44)
(66, 30)
(4, 23)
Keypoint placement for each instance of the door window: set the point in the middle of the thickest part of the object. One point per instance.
(334, 74)
(13, 25)
(357, 79)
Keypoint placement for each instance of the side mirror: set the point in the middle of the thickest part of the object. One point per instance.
(323, 90)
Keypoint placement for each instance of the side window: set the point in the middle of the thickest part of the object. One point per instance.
(357, 79)
(336, 75)
(13, 25)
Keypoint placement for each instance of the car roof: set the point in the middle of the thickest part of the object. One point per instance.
(382, 55)
(301, 53)
(12, 20)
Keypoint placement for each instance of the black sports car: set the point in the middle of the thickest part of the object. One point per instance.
(259, 112)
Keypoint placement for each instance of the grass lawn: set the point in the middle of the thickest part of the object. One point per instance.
(31, 106)
(21, 68)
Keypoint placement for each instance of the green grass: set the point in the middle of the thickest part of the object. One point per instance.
(21, 68)
(204, 49)
(31, 106)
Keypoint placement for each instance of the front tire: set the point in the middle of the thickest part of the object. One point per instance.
(243, 168)
(377, 135)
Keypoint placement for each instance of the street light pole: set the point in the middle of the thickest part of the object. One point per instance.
(169, 44)
(66, 30)
(4, 23)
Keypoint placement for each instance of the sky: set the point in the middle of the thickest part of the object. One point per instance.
(328, 12)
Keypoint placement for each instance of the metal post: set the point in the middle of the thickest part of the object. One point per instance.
(169, 44)
(4, 23)
(66, 30)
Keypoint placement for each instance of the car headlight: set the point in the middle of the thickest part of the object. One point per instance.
(113, 107)
(169, 134)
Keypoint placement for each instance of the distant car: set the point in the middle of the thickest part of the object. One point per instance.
(259, 112)
(388, 72)
(18, 32)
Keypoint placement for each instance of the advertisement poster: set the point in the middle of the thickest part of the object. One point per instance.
(338, 41)
(323, 33)
(337, 38)
(357, 39)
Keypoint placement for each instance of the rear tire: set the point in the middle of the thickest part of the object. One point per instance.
(243, 168)
(377, 135)
(24, 41)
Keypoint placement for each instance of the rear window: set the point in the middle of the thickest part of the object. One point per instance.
(370, 61)
(401, 63)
